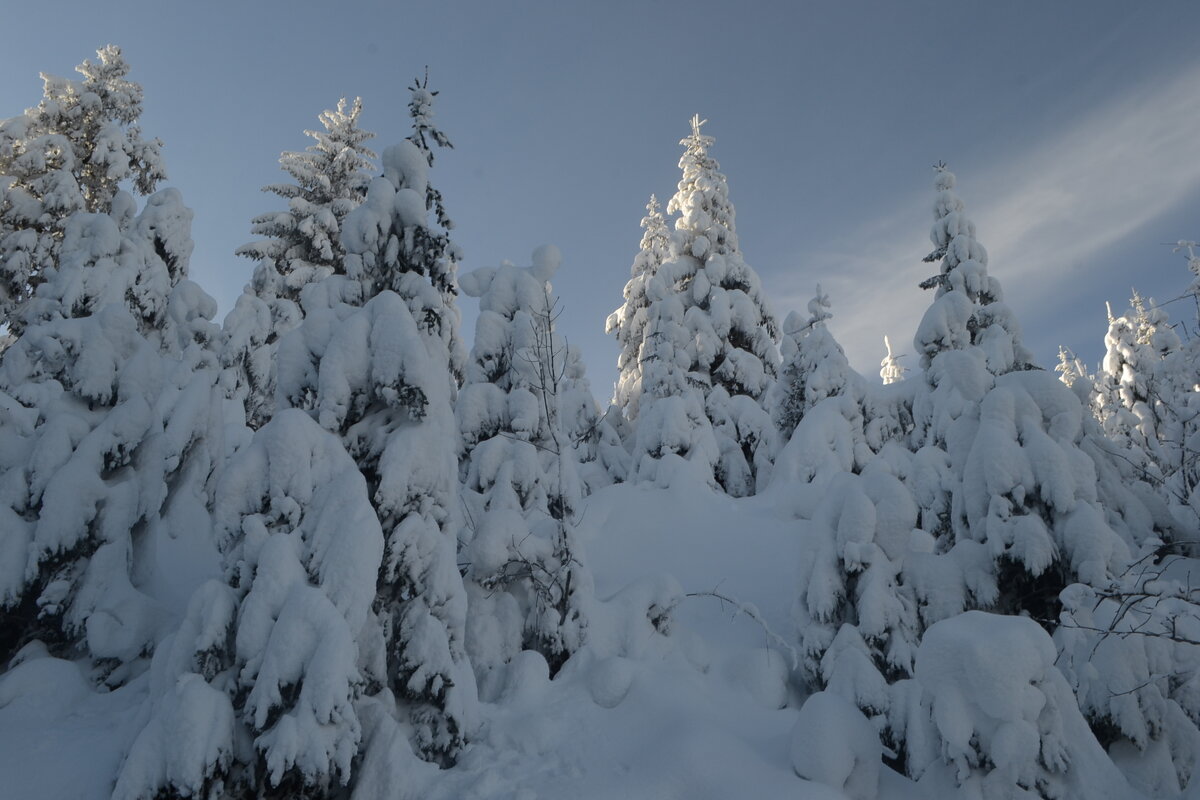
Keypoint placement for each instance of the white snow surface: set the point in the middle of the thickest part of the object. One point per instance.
(677, 692)
(673, 696)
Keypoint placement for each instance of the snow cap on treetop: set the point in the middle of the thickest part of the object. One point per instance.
(546, 261)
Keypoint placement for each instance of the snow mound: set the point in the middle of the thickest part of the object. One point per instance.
(1006, 718)
(833, 743)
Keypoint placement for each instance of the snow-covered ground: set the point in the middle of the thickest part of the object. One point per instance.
(704, 706)
(705, 711)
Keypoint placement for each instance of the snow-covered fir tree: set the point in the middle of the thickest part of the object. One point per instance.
(856, 617)
(1071, 371)
(375, 361)
(969, 308)
(814, 365)
(72, 152)
(1145, 398)
(672, 432)
(707, 308)
(110, 431)
(1000, 495)
(272, 664)
(628, 323)
(1138, 630)
(1026, 479)
(519, 467)
(303, 246)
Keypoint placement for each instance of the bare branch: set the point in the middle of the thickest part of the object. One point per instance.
(753, 613)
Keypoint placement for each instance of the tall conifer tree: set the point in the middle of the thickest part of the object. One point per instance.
(72, 152)
(376, 361)
(303, 246)
(707, 308)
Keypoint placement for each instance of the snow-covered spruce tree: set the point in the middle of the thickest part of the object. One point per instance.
(1145, 398)
(856, 617)
(856, 620)
(814, 366)
(303, 245)
(518, 465)
(1129, 646)
(672, 432)
(70, 153)
(1072, 371)
(968, 309)
(628, 323)
(994, 491)
(1018, 494)
(375, 360)
(109, 429)
(856, 623)
(267, 670)
(593, 435)
(707, 307)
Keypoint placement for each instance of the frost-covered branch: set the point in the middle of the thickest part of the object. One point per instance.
(1143, 602)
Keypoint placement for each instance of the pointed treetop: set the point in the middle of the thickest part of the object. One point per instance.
(420, 107)
(1070, 368)
(945, 178)
(819, 307)
(696, 141)
(341, 121)
(655, 241)
(890, 369)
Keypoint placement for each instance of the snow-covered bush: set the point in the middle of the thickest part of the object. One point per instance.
(1131, 652)
(989, 704)
(834, 744)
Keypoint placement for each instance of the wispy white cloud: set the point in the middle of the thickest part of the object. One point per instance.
(1043, 215)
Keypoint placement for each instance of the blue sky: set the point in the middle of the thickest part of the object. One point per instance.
(1071, 126)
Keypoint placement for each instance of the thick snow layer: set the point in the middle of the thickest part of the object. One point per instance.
(58, 736)
(1004, 713)
(682, 689)
(833, 743)
(674, 696)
